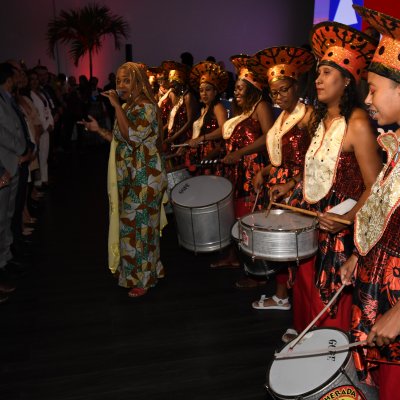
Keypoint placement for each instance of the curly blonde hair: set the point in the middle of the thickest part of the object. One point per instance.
(138, 75)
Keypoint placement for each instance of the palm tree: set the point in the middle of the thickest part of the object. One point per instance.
(85, 29)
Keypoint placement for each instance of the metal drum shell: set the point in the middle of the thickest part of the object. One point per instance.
(311, 372)
(278, 244)
(173, 178)
(204, 228)
(255, 266)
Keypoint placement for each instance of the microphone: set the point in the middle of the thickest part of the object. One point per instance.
(119, 92)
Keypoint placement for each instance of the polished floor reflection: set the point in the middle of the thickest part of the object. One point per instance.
(70, 333)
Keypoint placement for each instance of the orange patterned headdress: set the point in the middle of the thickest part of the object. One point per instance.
(246, 72)
(208, 72)
(282, 62)
(386, 60)
(176, 71)
(344, 46)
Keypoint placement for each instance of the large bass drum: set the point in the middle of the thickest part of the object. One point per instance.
(204, 213)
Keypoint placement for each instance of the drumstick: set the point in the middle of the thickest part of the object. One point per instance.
(268, 209)
(182, 145)
(311, 324)
(312, 213)
(255, 201)
(318, 352)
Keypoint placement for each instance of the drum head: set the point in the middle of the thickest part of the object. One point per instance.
(235, 231)
(201, 191)
(278, 220)
(303, 375)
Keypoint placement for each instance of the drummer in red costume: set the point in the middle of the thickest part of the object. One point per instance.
(184, 105)
(163, 99)
(376, 260)
(209, 79)
(287, 141)
(244, 136)
(243, 131)
(342, 163)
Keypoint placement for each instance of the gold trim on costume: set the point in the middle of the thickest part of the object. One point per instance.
(230, 125)
(322, 158)
(172, 114)
(164, 96)
(198, 124)
(373, 217)
(279, 129)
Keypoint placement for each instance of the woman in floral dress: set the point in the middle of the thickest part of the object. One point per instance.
(136, 181)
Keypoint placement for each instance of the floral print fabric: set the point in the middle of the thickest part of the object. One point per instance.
(141, 183)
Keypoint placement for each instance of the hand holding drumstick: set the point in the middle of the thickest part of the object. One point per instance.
(326, 216)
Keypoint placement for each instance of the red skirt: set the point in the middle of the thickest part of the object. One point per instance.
(307, 302)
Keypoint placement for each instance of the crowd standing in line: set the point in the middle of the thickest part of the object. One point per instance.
(281, 137)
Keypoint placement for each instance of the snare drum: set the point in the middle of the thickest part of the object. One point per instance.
(173, 178)
(281, 236)
(318, 377)
(258, 267)
(204, 214)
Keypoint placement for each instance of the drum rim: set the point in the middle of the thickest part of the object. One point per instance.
(207, 205)
(277, 259)
(263, 229)
(324, 384)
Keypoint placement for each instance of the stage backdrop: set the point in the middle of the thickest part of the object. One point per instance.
(342, 10)
(161, 30)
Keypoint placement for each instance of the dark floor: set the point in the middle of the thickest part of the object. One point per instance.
(70, 333)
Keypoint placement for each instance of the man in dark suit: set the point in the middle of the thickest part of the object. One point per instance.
(12, 145)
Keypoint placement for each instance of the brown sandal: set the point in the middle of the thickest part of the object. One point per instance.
(137, 292)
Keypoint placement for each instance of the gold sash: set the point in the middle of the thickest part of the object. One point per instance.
(373, 217)
(276, 133)
(198, 124)
(164, 96)
(172, 114)
(230, 125)
(322, 158)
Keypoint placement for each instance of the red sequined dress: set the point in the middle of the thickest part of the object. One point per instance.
(316, 285)
(165, 108)
(241, 174)
(179, 121)
(194, 157)
(377, 284)
(294, 147)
